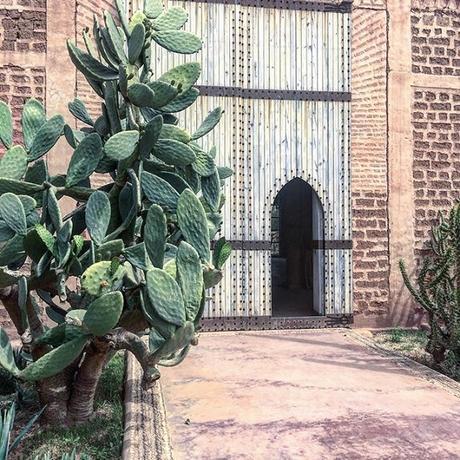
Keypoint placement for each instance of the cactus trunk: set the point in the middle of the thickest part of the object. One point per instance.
(81, 401)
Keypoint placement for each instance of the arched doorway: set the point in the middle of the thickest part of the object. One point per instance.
(297, 251)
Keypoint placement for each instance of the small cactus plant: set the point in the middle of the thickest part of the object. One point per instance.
(139, 246)
(437, 291)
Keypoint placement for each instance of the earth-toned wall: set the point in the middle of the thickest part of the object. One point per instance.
(405, 144)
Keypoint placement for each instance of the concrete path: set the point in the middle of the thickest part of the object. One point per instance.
(304, 395)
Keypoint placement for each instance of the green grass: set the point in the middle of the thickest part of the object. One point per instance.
(409, 342)
(101, 438)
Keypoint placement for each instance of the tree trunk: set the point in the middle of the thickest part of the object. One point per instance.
(81, 403)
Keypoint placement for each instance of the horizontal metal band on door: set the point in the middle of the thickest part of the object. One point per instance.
(266, 245)
(300, 5)
(261, 323)
(274, 94)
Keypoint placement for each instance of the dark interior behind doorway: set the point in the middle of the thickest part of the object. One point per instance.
(295, 249)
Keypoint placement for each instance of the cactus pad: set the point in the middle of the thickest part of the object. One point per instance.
(53, 209)
(174, 152)
(78, 110)
(222, 251)
(46, 137)
(103, 314)
(158, 191)
(6, 125)
(178, 41)
(153, 8)
(155, 235)
(6, 354)
(99, 278)
(89, 66)
(180, 339)
(209, 123)
(212, 277)
(13, 164)
(204, 164)
(97, 215)
(12, 212)
(109, 250)
(54, 361)
(136, 43)
(210, 187)
(150, 136)
(181, 102)
(137, 255)
(33, 118)
(173, 18)
(121, 145)
(166, 297)
(84, 160)
(183, 76)
(193, 223)
(190, 278)
(164, 93)
(141, 95)
(176, 133)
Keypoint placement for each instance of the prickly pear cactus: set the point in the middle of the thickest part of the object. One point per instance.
(140, 246)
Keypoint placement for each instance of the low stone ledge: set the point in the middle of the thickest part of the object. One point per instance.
(146, 434)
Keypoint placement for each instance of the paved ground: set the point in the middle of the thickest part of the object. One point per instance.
(310, 395)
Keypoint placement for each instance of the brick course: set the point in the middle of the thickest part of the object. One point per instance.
(436, 42)
(369, 162)
(23, 29)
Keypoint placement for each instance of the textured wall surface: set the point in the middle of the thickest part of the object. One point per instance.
(23, 25)
(436, 42)
(369, 160)
(436, 131)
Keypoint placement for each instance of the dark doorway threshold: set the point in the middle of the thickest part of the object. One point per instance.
(292, 303)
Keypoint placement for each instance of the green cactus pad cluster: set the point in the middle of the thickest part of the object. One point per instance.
(140, 244)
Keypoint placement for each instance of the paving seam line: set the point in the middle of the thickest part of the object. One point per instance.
(146, 432)
(414, 367)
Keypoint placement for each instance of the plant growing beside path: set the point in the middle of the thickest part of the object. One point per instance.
(437, 291)
(139, 246)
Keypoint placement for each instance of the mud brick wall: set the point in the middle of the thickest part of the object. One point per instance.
(436, 42)
(369, 160)
(23, 25)
(436, 169)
